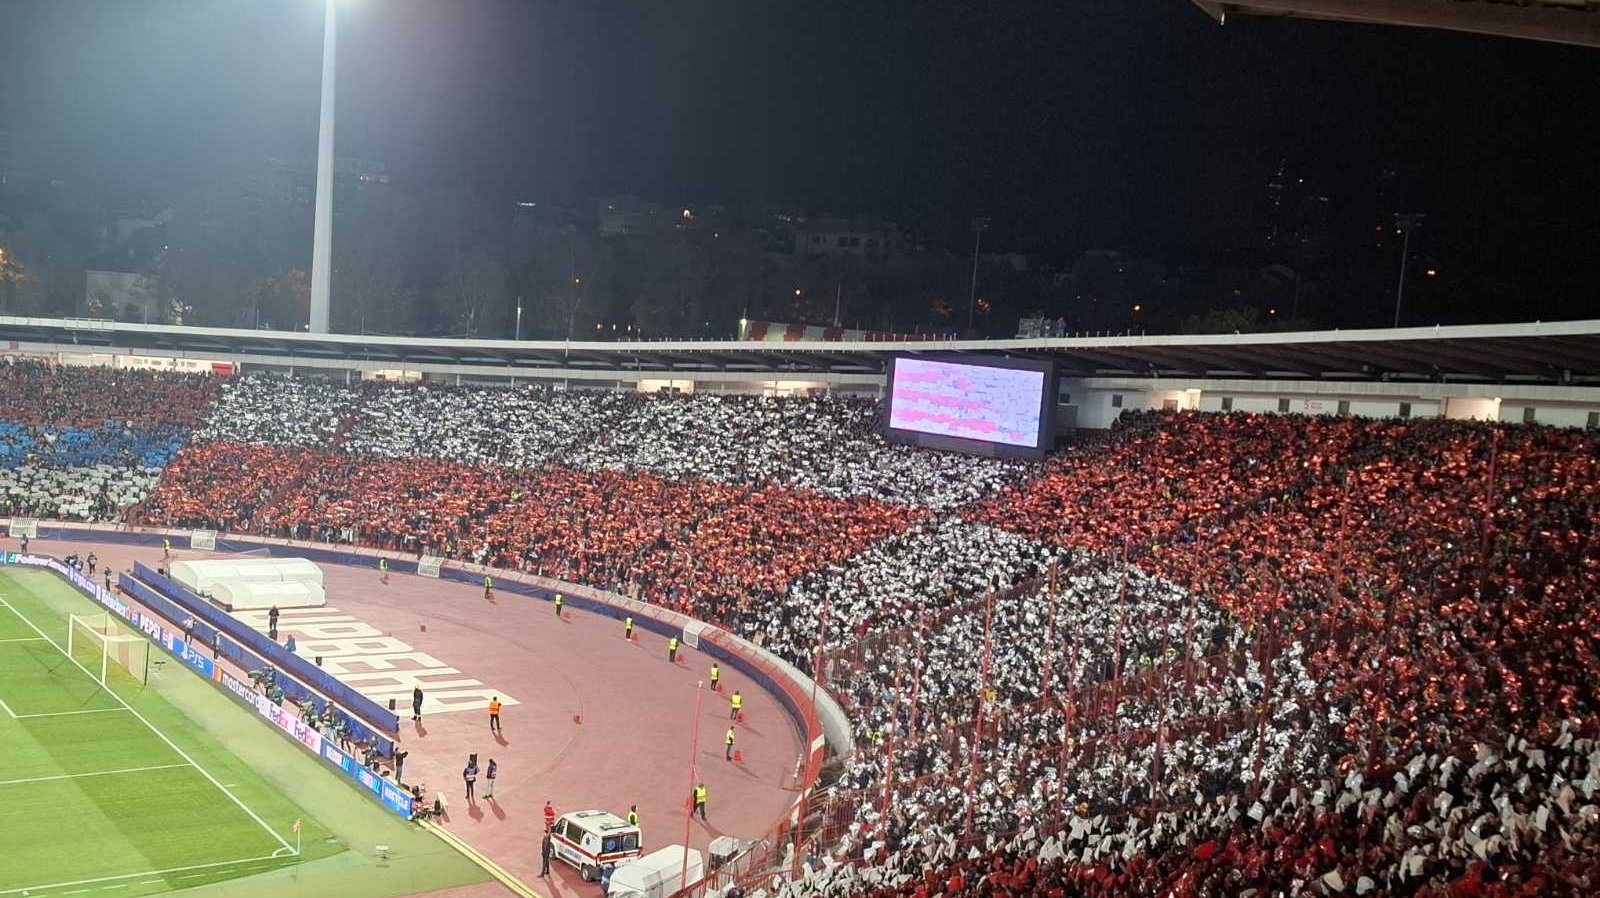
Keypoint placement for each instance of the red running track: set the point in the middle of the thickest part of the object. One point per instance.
(632, 745)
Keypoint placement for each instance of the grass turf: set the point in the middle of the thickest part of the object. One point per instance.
(119, 789)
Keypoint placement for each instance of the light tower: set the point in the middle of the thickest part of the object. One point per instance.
(322, 232)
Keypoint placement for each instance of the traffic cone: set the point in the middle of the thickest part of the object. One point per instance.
(741, 717)
(738, 756)
(566, 615)
(577, 719)
(682, 661)
(424, 628)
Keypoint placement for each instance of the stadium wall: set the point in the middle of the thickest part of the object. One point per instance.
(1098, 401)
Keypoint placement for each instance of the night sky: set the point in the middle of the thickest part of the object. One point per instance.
(1138, 125)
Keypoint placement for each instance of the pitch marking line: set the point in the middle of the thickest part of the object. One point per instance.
(7, 708)
(166, 872)
(162, 736)
(67, 713)
(73, 776)
(21, 639)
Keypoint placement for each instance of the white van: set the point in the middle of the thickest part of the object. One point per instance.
(593, 840)
(656, 875)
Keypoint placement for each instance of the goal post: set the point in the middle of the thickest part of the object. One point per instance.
(205, 540)
(96, 642)
(428, 566)
(23, 527)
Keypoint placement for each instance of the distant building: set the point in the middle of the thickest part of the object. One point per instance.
(18, 158)
(123, 295)
(294, 182)
(868, 239)
(629, 216)
(121, 282)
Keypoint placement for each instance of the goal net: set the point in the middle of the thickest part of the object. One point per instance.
(428, 566)
(203, 539)
(21, 527)
(105, 650)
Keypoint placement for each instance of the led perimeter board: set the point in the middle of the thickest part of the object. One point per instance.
(975, 404)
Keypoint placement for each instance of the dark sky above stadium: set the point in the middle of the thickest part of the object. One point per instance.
(1130, 124)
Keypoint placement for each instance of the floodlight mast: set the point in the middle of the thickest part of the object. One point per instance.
(322, 233)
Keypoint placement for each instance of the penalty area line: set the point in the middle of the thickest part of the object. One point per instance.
(170, 870)
(152, 727)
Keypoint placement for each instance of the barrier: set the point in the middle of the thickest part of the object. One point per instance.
(292, 688)
(300, 668)
(388, 794)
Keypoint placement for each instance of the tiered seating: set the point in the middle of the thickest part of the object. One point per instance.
(1225, 652)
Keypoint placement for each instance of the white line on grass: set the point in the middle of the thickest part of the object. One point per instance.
(22, 639)
(66, 713)
(73, 776)
(7, 708)
(162, 736)
(170, 870)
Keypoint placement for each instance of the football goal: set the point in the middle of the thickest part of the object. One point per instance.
(203, 539)
(428, 566)
(20, 527)
(98, 643)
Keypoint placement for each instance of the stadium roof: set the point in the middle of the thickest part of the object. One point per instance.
(1566, 352)
(1558, 21)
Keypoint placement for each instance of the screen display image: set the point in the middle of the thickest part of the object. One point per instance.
(969, 402)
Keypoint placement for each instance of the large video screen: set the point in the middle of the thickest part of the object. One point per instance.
(997, 406)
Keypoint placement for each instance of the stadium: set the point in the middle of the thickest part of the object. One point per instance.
(817, 611)
(1305, 613)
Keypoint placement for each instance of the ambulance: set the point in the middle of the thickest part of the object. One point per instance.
(593, 841)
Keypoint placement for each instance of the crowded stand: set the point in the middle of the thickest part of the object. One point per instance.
(825, 444)
(701, 547)
(41, 394)
(90, 493)
(279, 410)
(85, 443)
(1205, 655)
(1436, 738)
(525, 426)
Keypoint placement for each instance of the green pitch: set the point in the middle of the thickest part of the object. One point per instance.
(120, 790)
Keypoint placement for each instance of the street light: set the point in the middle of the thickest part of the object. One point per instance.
(1405, 222)
(979, 225)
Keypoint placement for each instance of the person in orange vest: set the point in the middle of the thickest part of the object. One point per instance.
(494, 715)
